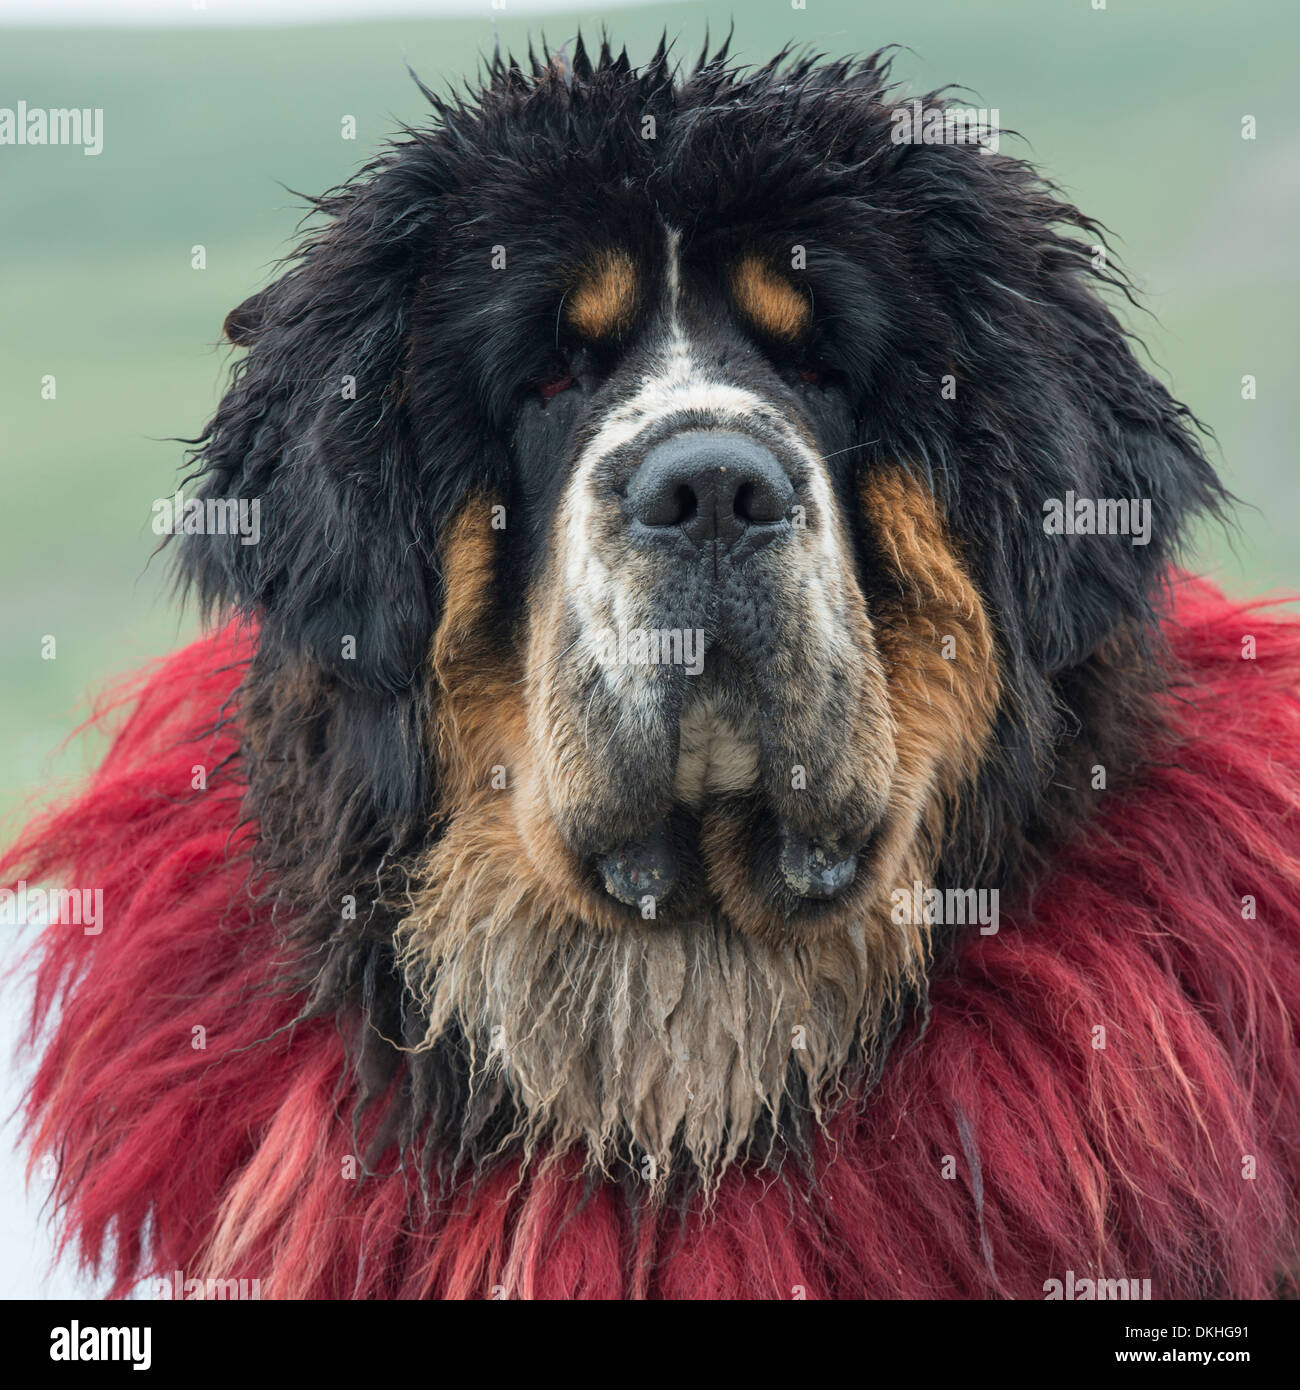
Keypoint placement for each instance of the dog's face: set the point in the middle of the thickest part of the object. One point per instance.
(706, 722)
(654, 585)
(697, 635)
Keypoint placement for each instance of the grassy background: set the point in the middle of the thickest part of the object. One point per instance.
(1134, 110)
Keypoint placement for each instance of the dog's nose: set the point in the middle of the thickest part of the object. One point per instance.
(709, 486)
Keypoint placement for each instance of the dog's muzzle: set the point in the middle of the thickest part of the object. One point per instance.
(700, 506)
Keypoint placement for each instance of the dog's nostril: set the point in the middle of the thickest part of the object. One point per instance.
(709, 486)
(666, 506)
(759, 505)
(688, 506)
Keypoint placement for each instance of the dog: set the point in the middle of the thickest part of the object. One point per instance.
(709, 781)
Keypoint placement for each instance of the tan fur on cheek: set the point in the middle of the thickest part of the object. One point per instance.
(500, 845)
(937, 643)
(478, 719)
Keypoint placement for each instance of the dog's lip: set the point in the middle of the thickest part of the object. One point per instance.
(648, 867)
(813, 868)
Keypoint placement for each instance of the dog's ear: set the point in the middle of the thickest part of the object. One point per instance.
(244, 323)
(1050, 400)
(336, 562)
(311, 432)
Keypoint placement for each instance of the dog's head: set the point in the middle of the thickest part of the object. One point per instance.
(654, 589)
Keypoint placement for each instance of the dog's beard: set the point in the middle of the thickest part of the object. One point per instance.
(669, 1048)
(672, 1044)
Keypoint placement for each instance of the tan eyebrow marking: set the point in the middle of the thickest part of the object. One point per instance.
(603, 302)
(770, 302)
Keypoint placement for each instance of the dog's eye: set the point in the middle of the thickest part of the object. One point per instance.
(550, 389)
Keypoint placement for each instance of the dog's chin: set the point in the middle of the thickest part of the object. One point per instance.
(688, 1046)
(693, 996)
(664, 1047)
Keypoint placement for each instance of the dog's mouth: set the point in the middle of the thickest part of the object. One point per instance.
(807, 870)
(720, 750)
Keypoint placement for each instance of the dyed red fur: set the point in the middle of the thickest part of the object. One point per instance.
(1124, 1162)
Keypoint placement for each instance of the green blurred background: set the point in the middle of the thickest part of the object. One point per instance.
(1135, 110)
